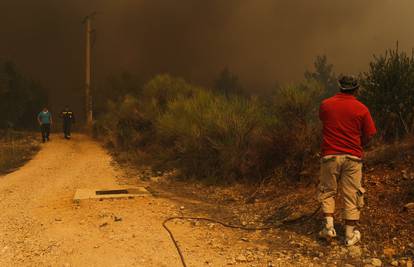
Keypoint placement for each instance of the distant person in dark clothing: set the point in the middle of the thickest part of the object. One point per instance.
(45, 121)
(68, 118)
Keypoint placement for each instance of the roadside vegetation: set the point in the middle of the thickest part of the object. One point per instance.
(16, 148)
(20, 100)
(227, 133)
(221, 134)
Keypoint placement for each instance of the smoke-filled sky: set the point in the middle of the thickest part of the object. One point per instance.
(263, 41)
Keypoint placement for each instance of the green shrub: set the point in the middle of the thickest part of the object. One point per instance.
(388, 90)
(294, 140)
(123, 125)
(208, 135)
(162, 90)
(212, 136)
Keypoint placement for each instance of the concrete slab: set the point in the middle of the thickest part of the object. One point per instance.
(100, 194)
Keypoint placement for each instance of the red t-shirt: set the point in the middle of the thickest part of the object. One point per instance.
(346, 123)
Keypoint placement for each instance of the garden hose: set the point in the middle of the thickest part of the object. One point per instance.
(302, 219)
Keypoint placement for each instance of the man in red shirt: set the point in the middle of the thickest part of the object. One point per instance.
(347, 127)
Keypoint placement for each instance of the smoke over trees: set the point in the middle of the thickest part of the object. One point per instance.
(263, 41)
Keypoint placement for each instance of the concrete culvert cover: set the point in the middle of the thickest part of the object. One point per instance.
(84, 194)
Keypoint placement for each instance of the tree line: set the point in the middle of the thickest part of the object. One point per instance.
(20, 98)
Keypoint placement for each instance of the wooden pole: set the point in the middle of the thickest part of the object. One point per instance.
(88, 70)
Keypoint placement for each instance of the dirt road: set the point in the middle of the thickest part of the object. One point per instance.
(41, 226)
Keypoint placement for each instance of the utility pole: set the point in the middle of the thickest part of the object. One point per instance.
(88, 70)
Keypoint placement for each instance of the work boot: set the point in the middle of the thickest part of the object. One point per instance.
(355, 238)
(327, 233)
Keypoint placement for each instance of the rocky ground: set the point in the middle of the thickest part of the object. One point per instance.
(387, 226)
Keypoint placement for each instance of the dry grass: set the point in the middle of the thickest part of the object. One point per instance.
(388, 153)
(15, 149)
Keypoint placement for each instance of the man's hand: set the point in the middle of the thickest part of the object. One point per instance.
(366, 141)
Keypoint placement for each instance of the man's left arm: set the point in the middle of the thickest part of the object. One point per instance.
(368, 128)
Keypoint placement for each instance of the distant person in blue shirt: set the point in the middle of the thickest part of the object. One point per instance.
(45, 120)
